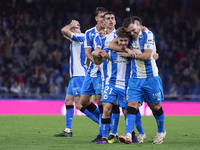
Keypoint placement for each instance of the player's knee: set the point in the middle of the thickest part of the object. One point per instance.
(68, 101)
(84, 101)
(107, 110)
(133, 104)
(158, 112)
(99, 103)
(156, 107)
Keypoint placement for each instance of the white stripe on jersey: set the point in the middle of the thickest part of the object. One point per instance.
(153, 62)
(121, 72)
(109, 38)
(141, 72)
(77, 55)
(118, 70)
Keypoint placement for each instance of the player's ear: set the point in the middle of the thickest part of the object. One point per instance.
(96, 18)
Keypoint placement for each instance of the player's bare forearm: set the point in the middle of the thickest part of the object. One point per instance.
(97, 60)
(144, 56)
(89, 54)
(132, 53)
(66, 31)
(123, 54)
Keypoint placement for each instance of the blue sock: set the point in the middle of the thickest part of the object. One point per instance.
(130, 121)
(160, 123)
(69, 115)
(100, 124)
(96, 112)
(115, 118)
(105, 127)
(89, 115)
(114, 121)
(138, 123)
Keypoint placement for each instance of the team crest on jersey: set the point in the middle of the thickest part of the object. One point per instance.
(148, 46)
(127, 97)
(105, 96)
(92, 34)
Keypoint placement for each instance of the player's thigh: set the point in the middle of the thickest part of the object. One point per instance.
(107, 108)
(85, 99)
(98, 99)
(77, 102)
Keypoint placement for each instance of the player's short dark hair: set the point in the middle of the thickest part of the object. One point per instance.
(108, 13)
(121, 33)
(138, 19)
(100, 10)
(127, 22)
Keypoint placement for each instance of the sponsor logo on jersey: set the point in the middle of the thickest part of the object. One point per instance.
(149, 41)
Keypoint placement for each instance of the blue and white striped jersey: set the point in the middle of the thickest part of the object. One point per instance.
(117, 68)
(99, 41)
(77, 55)
(103, 43)
(93, 71)
(146, 68)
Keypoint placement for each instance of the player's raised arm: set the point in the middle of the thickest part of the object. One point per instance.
(67, 30)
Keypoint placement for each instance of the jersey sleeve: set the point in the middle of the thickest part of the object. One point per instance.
(98, 41)
(106, 49)
(87, 42)
(78, 37)
(149, 40)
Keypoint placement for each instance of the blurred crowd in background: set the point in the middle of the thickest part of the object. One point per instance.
(34, 56)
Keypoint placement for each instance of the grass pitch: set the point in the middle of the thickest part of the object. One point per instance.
(32, 132)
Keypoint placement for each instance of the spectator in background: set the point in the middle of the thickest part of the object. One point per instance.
(15, 90)
(43, 85)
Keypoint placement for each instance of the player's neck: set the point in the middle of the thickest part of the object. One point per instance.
(109, 30)
(99, 27)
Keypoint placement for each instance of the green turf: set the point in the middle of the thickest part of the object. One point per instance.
(21, 132)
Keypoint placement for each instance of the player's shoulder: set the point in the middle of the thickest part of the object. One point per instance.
(90, 30)
(80, 34)
(148, 34)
